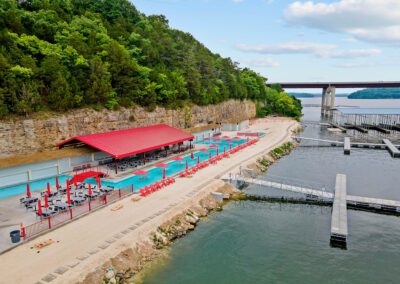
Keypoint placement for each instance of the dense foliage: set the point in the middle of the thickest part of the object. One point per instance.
(63, 54)
(379, 93)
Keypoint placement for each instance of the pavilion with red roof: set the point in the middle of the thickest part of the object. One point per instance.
(129, 142)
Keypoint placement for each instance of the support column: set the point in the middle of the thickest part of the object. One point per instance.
(332, 91)
(323, 102)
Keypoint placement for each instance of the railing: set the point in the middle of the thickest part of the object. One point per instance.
(75, 212)
(320, 191)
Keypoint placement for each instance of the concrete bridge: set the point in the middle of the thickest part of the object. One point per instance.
(329, 90)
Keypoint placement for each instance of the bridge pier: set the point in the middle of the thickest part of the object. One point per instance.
(323, 102)
(328, 101)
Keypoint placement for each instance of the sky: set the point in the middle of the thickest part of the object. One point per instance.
(295, 41)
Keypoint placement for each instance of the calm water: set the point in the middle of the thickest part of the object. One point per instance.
(261, 242)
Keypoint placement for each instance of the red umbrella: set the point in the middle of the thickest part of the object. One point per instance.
(162, 165)
(217, 139)
(57, 184)
(46, 201)
(164, 174)
(207, 139)
(225, 136)
(48, 189)
(203, 149)
(178, 158)
(213, 146)
(68, 196)
(198, 159)
(28, 190)
(191, 155)
(39, 209)
(228, 140)
(141, 173)
(187, 165)
(90, 190)
(237, 137)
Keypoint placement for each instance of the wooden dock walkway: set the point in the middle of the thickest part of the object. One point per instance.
(394, 151)
(347, 146)
(339, 212)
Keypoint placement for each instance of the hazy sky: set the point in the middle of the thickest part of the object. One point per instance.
(337, 40)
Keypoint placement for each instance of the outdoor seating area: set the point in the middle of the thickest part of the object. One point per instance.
(156, 186)
(130, 163)
(49, 203)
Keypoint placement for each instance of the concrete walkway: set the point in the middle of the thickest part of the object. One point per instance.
(87, 243)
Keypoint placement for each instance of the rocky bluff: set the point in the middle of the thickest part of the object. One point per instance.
(24, 136)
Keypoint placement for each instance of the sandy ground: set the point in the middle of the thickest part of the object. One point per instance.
(87, 243)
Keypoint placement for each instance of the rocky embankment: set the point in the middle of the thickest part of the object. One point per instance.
(123, 267)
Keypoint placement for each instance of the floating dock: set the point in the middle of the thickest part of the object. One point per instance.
(334, 125)
(390, 127)
(356, 127)
(339, 212)
(375, 127)
(358, 202)
(394, 151)
(347, 146)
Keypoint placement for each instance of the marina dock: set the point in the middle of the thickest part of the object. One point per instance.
(334, 125)
(356, 127)
(339, 212)
(394, 151)
(359, 202)
(347, 145)
(339, 199)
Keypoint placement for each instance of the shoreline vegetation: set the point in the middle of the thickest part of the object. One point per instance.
(132, 264)
(63, 55)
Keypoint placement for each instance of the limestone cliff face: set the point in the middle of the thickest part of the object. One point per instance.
(35, 135)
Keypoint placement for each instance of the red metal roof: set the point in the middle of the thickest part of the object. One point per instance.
(128, 142)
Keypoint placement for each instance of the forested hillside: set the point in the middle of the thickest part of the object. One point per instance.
(63, 54)
(378, 93)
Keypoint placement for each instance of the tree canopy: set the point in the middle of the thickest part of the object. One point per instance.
(64, 54)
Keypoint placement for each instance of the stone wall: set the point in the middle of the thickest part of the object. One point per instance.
(35, 135)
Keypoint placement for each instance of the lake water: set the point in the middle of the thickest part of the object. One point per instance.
(265, 242)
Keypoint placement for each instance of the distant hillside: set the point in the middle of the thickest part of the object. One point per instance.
(303, 95)
(384, 93)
